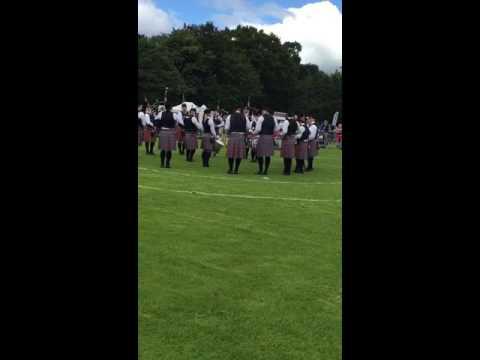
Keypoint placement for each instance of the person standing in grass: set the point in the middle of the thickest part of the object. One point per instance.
(338, 135)
(166, 126)
(191, 126)
(265, 127)
(141, 114)
(301, 147)
(208, 137)
(237, 126)
(287, 152)
(313, 144)
(180, 132)
(149, 132)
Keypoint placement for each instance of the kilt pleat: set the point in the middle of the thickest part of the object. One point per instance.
(312, 148)
(191, 141)
(207, 142)
(264, 146)
(301, 150)
(167, 140)
(288, 147)
(236, 146)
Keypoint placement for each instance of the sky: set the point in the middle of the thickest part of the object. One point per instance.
(316, 25)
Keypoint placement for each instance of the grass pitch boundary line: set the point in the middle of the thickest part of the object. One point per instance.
(240, 196)
(240, 179)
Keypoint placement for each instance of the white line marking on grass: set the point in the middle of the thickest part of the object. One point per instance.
(265, 181)
(237, 195)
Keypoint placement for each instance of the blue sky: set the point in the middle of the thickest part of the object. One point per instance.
(200, 11)
(315, 24)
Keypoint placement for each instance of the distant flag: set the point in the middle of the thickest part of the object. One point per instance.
(335, 119)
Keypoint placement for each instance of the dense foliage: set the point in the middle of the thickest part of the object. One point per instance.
(225, 67)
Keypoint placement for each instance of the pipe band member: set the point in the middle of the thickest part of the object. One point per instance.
(166, 128)
(180, 132)
(266, 126)
(288, 130)
(208, 137)
(237, 126)
(149, 132)
(313, 143)
(191, 125)
(301, 147)
(141, 114)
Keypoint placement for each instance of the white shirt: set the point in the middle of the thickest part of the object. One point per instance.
(300, 131)
(145, 118)
(313, 132)
(258, 126)
(283, 127)
(211, 124)
(227, 122)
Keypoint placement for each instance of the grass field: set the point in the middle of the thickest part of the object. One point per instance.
(239, 266)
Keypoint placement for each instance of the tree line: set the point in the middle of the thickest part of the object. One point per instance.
(225, 68)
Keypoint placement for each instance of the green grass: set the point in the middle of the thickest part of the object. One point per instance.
(239, 278)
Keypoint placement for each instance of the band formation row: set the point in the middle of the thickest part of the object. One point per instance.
(244, 130)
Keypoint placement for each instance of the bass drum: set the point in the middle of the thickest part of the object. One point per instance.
(218, 145)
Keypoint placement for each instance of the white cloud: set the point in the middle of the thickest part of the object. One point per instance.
(317, 27)
(153, 20)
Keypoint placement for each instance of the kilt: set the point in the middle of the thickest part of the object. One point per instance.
(140, 135)
(265, 146)
(338, 137)
(288, 147)
(148, 135)
(191, 140)
(207, 142)
(312, 148)
(301, 150)
(179, 134)
(236, 146)
(167, 140)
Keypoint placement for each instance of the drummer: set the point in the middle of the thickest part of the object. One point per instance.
(208, 137)
(219, 124)
(265, 127)
(190, 125)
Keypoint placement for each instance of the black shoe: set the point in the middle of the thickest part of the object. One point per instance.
(308, 169)
(168, 166)
(162, 166)
(285, 173)
(259, 172)
(229, 172)
(236, 172)
(265, 173)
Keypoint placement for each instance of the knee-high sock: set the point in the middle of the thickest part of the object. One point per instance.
(169, 156)
(237, 163)
(230, 163)
(310, 163)
(260, 164)
(146, 147)
(247, 149)
(290, 165)
(187, 155)
(267, 163)
(162, 157)
(285, 165)
(192, 152)
(179, 144)
(302, 165)
(207, 157)
(152, 144)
